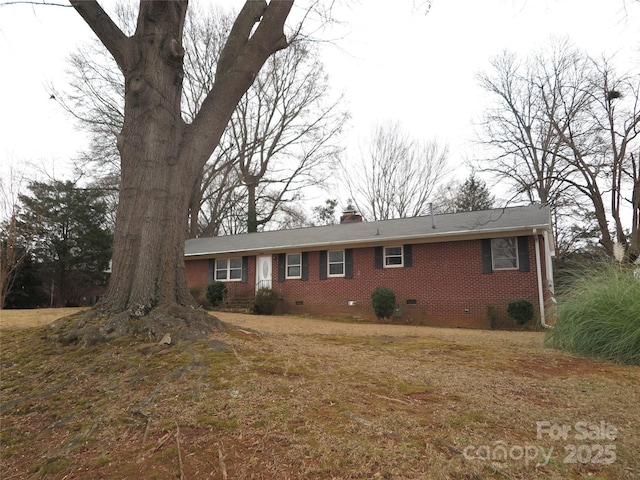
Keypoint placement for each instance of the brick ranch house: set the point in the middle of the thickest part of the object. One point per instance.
(458, 269)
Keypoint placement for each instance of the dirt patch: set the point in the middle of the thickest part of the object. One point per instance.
(301, 398)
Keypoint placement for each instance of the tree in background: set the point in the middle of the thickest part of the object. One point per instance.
(14, 241)
(14, 254)
(281, 136)
(395, 176)
(472, 195)
(27, 288)
(562, 132)
(71, 242)
(325, 214)
(603, 149)
(284, 132)
(525, 149)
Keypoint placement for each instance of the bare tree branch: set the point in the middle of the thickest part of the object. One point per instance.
(105, 29)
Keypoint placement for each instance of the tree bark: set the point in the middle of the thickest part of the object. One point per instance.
(162, 157)
(252, 214)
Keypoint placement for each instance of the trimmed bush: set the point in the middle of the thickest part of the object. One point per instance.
(599, 316)
(266, 301)
(521, 311)
(384, 302)
(216, 292)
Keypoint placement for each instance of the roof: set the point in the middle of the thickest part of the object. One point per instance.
(509, 221)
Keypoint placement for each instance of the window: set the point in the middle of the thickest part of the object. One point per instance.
(504, 253)
(228, 269)
(393, 257)
(336, 263)
(294, 265)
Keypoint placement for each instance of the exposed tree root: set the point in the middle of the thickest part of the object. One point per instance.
(179, 322)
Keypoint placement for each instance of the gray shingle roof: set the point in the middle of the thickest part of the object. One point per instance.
(457, 226)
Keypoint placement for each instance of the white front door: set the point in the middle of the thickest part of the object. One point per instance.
(263, 272)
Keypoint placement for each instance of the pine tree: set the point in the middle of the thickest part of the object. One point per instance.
(473, 195)
(71, 243)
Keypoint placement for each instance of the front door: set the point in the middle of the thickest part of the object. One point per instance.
(263, 272)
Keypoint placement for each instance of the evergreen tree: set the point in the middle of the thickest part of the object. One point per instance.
(325, 214)
(473, 195)
(26, 290)
(71, 243)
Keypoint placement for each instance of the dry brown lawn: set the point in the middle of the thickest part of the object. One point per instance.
(32, 318)
(304, 398)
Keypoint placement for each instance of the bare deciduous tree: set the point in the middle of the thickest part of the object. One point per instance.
(14, 241)
(607, 161)
(289, 118)
(284, 131)
(526, 149)
(396, 174)
(557, 135)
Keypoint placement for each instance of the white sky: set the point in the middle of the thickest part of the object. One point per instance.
(394, 63)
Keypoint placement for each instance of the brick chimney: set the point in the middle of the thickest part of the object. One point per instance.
(350, 216)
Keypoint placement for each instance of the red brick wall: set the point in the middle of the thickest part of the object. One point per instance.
(196, 272)
(446, 282)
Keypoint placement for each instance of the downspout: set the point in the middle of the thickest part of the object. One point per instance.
(539, 278)
(549, 265)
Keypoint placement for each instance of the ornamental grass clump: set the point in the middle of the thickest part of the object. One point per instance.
(599, 316)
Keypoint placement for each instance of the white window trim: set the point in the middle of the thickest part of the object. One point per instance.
(286, 266)
(493, 257)
(329, 263)
(228, 270)
(384, 257)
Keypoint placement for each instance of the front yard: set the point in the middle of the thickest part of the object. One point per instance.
(301, 398)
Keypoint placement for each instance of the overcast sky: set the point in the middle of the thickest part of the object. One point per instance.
(394, 62)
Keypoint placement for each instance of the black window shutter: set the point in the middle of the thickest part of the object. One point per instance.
(377, 253)
(486, 256)
(305, 266)
(523, 254)
(348, 263)
(323, 265)
(245, 269)
(210, 270)
(408, 255)
(282, 265)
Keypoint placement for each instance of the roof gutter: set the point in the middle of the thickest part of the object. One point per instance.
(539, 278)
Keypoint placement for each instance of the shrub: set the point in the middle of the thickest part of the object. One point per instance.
(521, 311)
(216, 292)
(199, 296)
(384, 302)
(600, 316)
(496, 316)
(266, 301)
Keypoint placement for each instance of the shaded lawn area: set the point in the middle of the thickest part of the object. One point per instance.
(427, 403)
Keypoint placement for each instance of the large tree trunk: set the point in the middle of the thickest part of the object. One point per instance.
(157, 177)
(161, 156)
